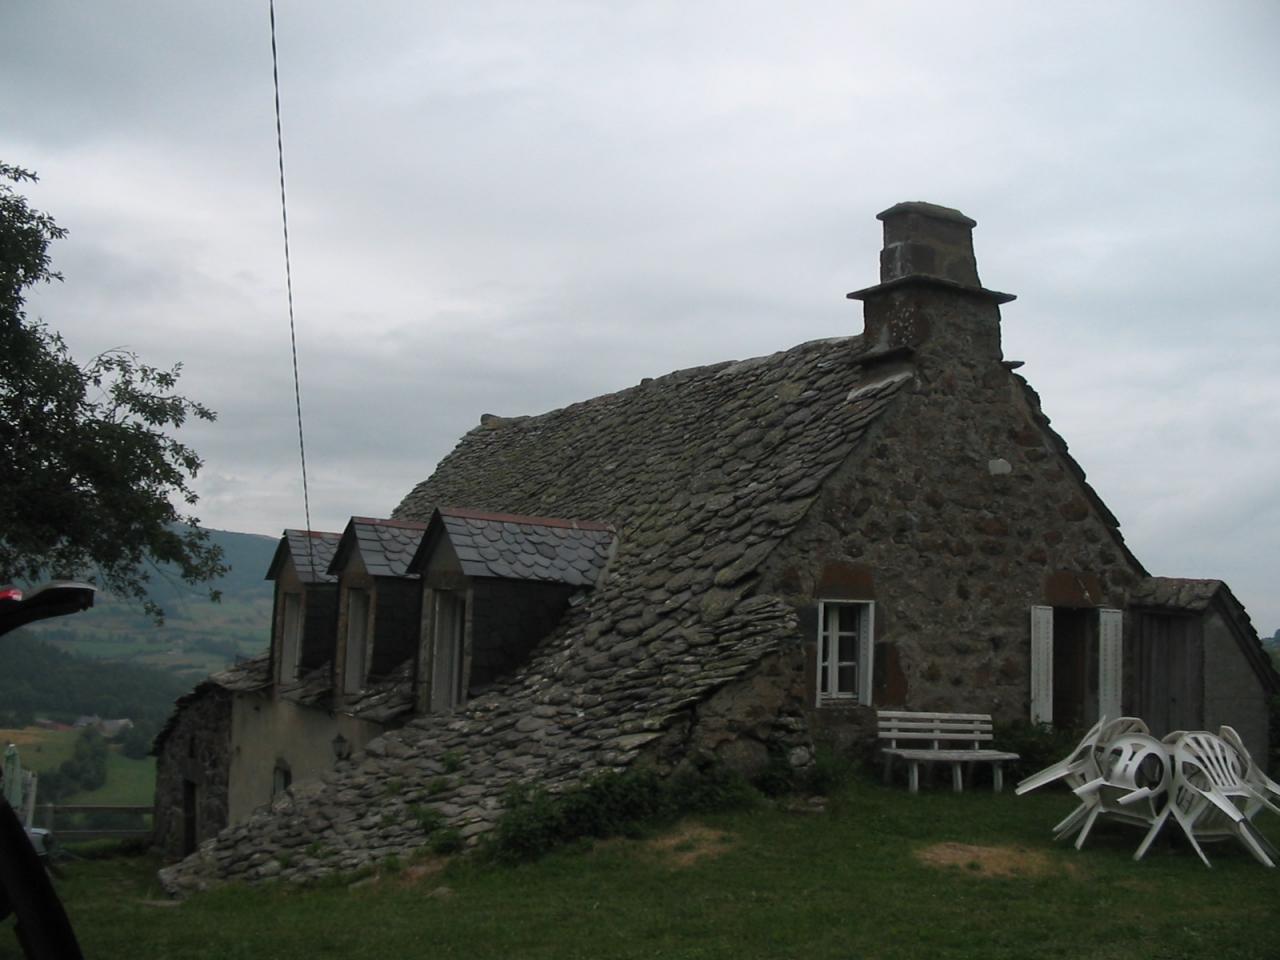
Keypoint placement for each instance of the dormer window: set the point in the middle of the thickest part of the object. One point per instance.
(379, 614)
(304, 622)
(494, 585)
(357, 640)
(449, 635)
(290, 636)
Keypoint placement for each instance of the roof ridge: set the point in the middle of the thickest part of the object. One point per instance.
(469, 513)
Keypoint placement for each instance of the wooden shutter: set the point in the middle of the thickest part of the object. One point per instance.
(866, 655)
(1042, 664)
(1110, 662)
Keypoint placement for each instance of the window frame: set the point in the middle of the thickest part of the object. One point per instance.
(357, 668)
(864, 635)
(291, 609)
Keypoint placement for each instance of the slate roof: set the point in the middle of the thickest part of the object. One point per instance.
(1174, 593)
(243, 677)
(526, 548)
(386, 547)
(311, 555)
(1196, 596)
(701, 473)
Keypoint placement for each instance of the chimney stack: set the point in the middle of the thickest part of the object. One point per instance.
(929, 294)
(929, 240)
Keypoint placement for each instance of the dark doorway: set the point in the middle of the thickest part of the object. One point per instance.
(1075, 666)
(188, 817)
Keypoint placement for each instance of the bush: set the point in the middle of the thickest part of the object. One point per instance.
(537, 821)
(828, 773)
(446, 841)
(1037, 744)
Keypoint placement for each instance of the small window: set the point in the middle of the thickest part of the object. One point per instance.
(844, 652)
(281, 778)
(290, 634)
(357, 640)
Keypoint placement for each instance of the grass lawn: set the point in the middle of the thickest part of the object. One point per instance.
(880, 874)
(128, 781)
(40, 750)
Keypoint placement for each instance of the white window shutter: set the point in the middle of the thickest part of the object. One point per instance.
(1110, 662)
(866, 655)
(1042, 664)
(817, 654)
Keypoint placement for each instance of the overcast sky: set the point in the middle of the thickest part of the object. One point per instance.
(504, 208)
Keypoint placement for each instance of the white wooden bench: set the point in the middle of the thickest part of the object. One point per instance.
(954, 738)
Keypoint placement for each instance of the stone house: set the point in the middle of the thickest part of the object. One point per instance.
(765, 550)
(244, 735)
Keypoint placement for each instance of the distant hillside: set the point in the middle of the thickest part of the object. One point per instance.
(197, 637)
(37, 679)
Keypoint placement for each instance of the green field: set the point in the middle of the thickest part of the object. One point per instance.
(40, 750)
(878, 874)
(128, 780)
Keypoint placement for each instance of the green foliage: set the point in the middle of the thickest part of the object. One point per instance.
(852, 882)
(429, 818)
(437, 786)
(830, 771)
(86, 769)
(446, 841)
(1037, 744)
(451, 761)
(537, 821)
(88, 471)
(441, 839)
(38, 678)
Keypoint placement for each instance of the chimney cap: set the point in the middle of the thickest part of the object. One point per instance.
(927, 244)
(934, 210)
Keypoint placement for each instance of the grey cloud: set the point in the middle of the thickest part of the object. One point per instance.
(503, 207)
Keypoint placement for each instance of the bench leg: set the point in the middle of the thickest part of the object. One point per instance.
(957, 778)
(914, 776)
(888, 769)
(997, 776)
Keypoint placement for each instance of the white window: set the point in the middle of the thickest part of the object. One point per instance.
(1103, 700)
(845, 645)
(290, 635)
(357, 637)
(449, 631)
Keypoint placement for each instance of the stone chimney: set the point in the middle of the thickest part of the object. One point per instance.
(929, 300)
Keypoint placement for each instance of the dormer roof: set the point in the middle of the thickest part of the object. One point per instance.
(385, 547)
(311, 554)
(520, 547)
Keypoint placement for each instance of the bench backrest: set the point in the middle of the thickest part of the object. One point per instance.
(921, 729)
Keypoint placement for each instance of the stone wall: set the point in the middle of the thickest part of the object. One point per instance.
(955, 516)
(196, 752)
(746, 726)
(1232, 693)
(270, 731)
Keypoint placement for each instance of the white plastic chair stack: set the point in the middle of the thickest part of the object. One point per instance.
(1211, 797)
(1132, 785)
(1254, 775)
(1082, 772)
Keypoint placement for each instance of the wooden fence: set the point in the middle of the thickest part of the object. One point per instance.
(50, 815)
